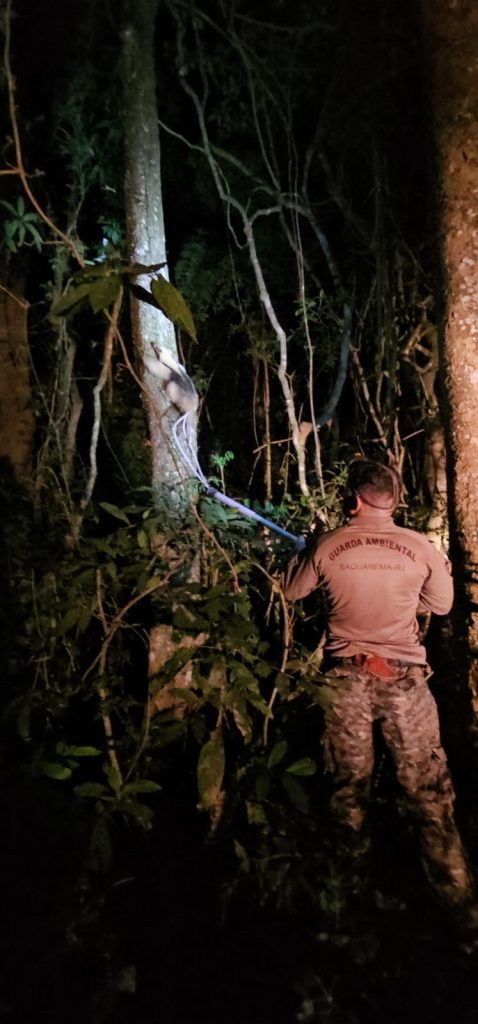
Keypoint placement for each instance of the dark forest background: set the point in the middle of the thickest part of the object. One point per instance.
(166, 853)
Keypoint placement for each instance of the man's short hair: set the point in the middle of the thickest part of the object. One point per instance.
(376, 484)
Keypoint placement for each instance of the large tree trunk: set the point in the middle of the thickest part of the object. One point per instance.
(147, 245)
(17, 422)
(451, 41)
(146, 236)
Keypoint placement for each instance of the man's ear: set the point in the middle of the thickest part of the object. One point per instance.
(358, 505)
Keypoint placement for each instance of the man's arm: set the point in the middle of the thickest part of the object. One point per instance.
(437, 591)
(301, 576)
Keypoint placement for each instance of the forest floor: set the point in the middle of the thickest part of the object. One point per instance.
(379, 950)
(167, 934)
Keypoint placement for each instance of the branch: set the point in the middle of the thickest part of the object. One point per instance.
(109, 630)
(98, 388)
(102, 689)
(330, 407)
(20, 168)
(231, 201)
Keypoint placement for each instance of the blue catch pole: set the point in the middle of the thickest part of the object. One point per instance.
(299, 542)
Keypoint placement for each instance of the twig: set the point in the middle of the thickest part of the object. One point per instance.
(16, 298)
(110, 630)
(102, 689)
(210, 535)
(286, 637)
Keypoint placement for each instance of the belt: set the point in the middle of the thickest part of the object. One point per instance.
(382, 668)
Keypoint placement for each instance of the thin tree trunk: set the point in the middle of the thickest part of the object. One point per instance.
(451, 41)
(146, 235)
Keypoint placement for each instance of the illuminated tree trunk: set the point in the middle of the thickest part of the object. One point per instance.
(451, 40)
(146, 236)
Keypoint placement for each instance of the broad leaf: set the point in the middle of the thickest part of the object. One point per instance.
(238, 708)
(296, 794)
(171, 302)
(70, 619)
(255, 814)
(103, 292)
(242, 855)
(81, 752)
(306, 766)
(277, 753)
(93, 789)
(210, 771)
(171, 667)
(73, 298)
(262, 787)
(54, 770)
(142, 294)
(141, 786)
(115, 511)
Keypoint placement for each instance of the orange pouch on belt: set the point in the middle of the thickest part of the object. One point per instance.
(376, 665)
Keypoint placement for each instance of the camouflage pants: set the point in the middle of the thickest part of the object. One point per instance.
(408, 718)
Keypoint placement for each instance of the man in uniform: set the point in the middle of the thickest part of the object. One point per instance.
(376, 577)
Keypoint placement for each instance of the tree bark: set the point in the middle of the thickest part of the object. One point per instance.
(17, 423)
(146, 238)
(451, 43)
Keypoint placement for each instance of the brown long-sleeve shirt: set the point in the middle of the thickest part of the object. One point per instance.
(376, 576)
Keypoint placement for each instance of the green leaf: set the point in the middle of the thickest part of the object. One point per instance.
(126, 980)
(210, 771)
(241, 629)
(141, 786)
(277, 753)
(171, 302)
(296, 794)
(170, 733)
(37, 238)
(93, 789)
(70, 619)
(103, 292)
(306, 766)
(8, 206)
(188, 618)
(80, 752)
(255, 814)
(23, 723)
(238, 708)
(115, 511)
(143, 539)
(282, 683)
(84, 620)
(140, 813)
(114, 780)
(54, 771)
(171, 667)
(243, 676)
(262, 787)
(73, 297)
(242, 855)
(142, 295)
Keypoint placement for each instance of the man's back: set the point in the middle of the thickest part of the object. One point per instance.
(375, 575)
